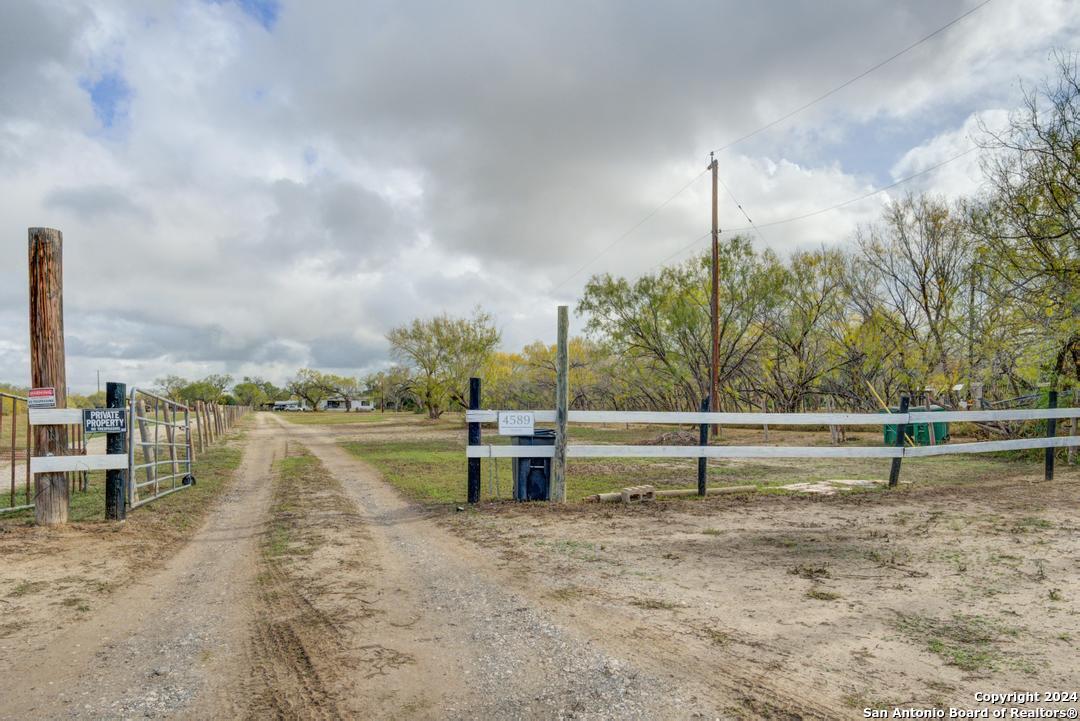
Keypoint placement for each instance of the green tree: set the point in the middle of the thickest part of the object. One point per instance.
(250, 393)
(348, 388)
(442, 353)
(659, 324)
(1030, 223)
(171, 385)
(308, 385)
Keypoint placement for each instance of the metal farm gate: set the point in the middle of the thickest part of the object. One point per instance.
(159, 447)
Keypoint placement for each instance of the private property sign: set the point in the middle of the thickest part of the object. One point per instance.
(516, 423)
(104, 420)
(41, 398)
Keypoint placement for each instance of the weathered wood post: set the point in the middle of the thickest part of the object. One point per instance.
(149, 449)
(562, 397)
(474, 440)
(1051, 431)
(47, 366)
(901, 434)
(206, 422)
(115, 498)
(1071, 455)
(170, 437)
(765, 409)
(703, 439)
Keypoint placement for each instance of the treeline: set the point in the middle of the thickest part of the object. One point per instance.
(982, 292)
(393, 389)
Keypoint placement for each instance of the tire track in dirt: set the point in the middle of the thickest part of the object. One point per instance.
(302, 621)
(665, 673)
(164, 646)
(480, 648)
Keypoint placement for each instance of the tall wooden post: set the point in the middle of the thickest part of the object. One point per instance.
(703, 439)
(115, 500)
(1051, 431)
(714, 298)
(901, 434)
(474, 440)
(47, 368)
(562, 398)
(1071, 453)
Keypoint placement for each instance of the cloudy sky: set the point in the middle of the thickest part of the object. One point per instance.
(252, 186)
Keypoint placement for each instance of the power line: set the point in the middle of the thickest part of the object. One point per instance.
(858, 77)
(820, 211)
(772, 123)
(741, 209)
(864, 196)
(634, 227)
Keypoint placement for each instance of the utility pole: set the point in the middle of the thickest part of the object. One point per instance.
(714, 306)
(562, 396)
(47, 367)
(99, 381)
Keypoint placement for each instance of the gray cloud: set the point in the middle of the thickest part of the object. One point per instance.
(90, 201)
(283, 198)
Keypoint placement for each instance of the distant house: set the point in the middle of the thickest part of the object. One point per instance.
(290, 405)
(338, 404)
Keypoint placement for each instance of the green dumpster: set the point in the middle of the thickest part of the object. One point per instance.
(919, 432)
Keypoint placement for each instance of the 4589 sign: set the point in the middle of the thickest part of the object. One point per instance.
(516, 423)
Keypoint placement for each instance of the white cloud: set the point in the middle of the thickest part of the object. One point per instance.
(279, 197)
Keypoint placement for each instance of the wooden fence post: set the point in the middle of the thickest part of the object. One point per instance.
(47, 366)
(901, 434)
(170, 438)
(205, 407)
(474, 440)
(834, 433)
(765, 409)
(204, 423)
(149, 449)
(115, 500)
(1051, 431)
(562, 397)
(703, 439)
(1071, 455)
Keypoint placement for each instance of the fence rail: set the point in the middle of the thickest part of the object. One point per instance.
(896, 452)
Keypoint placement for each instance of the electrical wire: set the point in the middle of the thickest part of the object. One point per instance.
(741, 209)
(855, 79)
(856, 199)
(819, 211)
(765, 127)
(632, 228)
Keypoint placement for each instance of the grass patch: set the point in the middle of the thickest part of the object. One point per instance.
(718, 637)
(820, 594)
(332, 418)
(969, 642)
(296, 475)
(653, 604)
(430, 467)
(810, 572)
(25, 588)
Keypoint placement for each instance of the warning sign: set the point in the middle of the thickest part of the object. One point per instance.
(41, 398)
(104, 420)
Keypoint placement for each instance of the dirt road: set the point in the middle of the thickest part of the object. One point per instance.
(404, 621)
(166, 644)
(473, 647)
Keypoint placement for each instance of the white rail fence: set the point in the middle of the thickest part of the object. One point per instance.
(778, 419)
